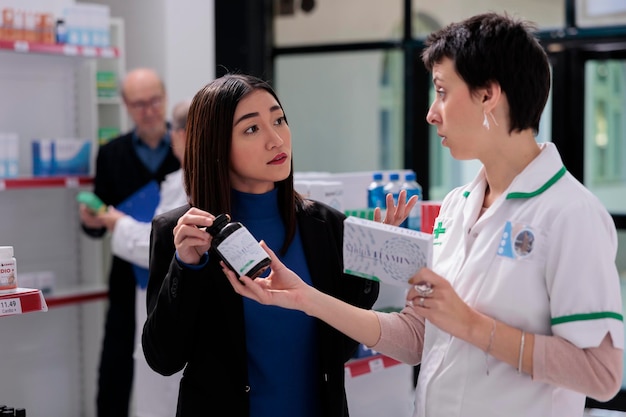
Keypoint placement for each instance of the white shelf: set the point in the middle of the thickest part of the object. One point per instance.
(76, 296)
(44, 182)
(21, 301)
(26, 47)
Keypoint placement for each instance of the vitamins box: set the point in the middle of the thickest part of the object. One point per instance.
(384, 253)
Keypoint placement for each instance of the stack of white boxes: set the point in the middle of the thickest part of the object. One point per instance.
(86, 25)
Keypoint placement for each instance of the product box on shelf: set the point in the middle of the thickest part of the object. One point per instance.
(61, 156)
(383, 252)
(329, 192)
(430, 211)
(105, 134)
(87, 25)
(9, 155)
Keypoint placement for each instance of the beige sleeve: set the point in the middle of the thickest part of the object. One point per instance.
(595, 372)
(401, 335)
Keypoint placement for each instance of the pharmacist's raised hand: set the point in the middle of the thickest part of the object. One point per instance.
(396, 214)
(282, 287)
(190, 236)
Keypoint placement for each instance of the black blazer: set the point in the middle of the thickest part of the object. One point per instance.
(195, 318)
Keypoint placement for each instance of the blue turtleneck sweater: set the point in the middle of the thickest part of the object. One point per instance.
(281, 343)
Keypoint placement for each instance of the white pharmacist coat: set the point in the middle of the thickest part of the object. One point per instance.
(542, 259)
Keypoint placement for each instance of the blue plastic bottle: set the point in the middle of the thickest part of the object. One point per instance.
(393, 186)
(412, 187)
(376, 192)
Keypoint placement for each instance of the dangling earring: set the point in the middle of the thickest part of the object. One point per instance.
(486, 120)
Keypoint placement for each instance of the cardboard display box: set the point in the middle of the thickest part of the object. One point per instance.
(384, 253)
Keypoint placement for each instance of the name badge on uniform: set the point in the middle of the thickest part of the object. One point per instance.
(517, 241)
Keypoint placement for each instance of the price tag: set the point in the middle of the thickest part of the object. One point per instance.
(70, 50)
(89, 51)
(71, 182)
(21, 46)
(107, 53)
(10, 306)
(376, 365)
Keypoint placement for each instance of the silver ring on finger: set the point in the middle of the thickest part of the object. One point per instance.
(424, 289)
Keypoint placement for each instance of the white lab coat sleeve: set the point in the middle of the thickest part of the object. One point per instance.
(130, 241)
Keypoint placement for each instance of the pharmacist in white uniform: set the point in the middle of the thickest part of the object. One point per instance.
(521, 314)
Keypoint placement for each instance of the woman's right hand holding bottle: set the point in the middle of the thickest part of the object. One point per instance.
(190, 236)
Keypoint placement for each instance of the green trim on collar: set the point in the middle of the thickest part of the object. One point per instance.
(541, 189)
(588, 316)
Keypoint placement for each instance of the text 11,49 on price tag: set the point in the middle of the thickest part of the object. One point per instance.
(10, 306)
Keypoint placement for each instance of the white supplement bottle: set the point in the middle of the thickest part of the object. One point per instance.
(8, 270)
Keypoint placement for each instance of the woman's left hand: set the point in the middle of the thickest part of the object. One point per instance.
(282, 287)
(433, 297)
(396, 214)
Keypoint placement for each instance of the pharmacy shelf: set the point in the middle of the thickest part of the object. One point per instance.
(44, 182)
(370, 364)
(77, 296)
(59, 49)
(22, 300)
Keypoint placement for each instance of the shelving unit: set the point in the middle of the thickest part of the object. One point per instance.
(44, 182)
(56, 49)
(111, 111)
(49, 91)
(76, 296)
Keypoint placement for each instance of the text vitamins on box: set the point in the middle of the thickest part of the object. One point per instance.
(384, 253)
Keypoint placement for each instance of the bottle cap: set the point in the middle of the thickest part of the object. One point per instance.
(394, 176)
(6, 251)
(219, 222)
(377, 176)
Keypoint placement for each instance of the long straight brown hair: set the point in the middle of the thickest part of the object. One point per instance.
(207, 154)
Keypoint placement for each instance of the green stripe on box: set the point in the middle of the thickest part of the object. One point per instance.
(361, 274)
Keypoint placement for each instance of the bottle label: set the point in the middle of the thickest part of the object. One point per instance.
(241, 251)
(8, 280)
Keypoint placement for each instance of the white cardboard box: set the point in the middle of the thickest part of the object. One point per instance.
(384, 253)
(329, 192)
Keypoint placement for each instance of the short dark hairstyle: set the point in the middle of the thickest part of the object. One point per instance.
(207, 151)
(497, 48)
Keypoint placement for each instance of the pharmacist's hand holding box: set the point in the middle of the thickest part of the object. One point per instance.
(385, 253)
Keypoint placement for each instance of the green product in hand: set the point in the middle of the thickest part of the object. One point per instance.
(92, 201)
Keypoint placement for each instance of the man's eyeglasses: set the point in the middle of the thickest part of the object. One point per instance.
(152, 103)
